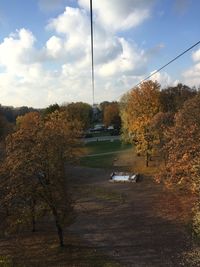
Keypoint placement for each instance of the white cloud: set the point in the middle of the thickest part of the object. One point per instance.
(163, 78)
(196, 55)
(73, 20)
(107, 47)
(191, 76)
(120, 15)
(17, 50)
(73, 27)
(54, 47)
(61, 70)
(128, 61)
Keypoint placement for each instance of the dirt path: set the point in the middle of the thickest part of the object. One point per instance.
(119, 220)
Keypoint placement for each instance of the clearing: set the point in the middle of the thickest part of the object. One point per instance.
(118, 224)
(124, 222)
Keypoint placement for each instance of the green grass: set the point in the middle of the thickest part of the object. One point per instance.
(102, 161)
(105, 161)
(106, 146)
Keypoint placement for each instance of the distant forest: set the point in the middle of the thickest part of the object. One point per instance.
(11, 113)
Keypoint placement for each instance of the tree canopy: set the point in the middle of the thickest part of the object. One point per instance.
(138, 109)
(33, 173)
(183, 146)
(111, 115)
(173, 98)
(79, 111)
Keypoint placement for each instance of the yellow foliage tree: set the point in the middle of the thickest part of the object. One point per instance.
(79, 111)
(34, 169)
(111, 115)
(183, 148)
(137, 111)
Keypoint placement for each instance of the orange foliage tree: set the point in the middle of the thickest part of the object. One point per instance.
(137, 110)
(33, 172)
(173, 98)
(79, 111)
(111, 115)
(183, 147)
(160, 125)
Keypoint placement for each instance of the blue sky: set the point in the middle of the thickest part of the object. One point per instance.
(45, 48)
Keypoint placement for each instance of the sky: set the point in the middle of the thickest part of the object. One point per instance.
(45, 53)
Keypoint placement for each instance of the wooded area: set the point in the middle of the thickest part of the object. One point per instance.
(38, 146)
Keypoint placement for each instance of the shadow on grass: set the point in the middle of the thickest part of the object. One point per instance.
(41, 249)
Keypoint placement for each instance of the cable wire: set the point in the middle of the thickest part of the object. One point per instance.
(92, 49)
(168, 63)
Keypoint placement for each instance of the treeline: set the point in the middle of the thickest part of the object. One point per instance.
(106, 112)
(11, 113)
(36, 147)
(166, 123)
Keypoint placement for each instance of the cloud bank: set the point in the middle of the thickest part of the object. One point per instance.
(60, 71)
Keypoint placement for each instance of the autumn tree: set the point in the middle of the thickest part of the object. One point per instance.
(103, 105)
(79, 111)
(18, 170)
(5, 127)
(183, 147)
(34, 169)
(173, 98)
(137, 110)
(160, 125)
(111, 115)
(50, 109)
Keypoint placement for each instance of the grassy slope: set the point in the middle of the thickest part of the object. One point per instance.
(128, 159)
(102, 161)
(106, 146)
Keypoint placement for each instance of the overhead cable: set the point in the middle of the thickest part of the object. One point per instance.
(152, 74)
(92, 49)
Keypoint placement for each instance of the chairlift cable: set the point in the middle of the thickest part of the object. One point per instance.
(92, 49)
(167, 63)
(164, 66)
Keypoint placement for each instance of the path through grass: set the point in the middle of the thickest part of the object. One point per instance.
(106, 146)
(102, 147)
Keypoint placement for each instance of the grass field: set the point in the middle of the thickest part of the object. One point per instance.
(106, 146)
(128, 160)
(102, 161)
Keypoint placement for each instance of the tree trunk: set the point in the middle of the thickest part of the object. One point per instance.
(33, 203)
(147, 159)
(58, 227)
(147, 155)
(33, 224)
(60, 233)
